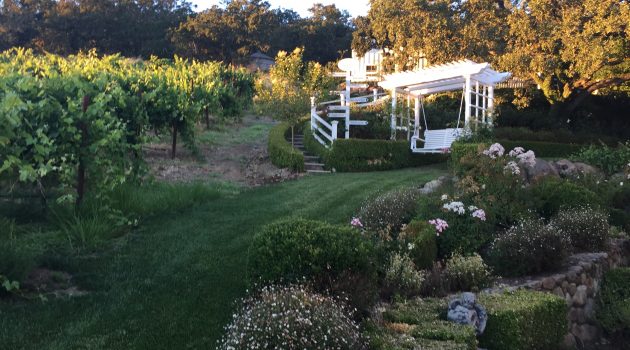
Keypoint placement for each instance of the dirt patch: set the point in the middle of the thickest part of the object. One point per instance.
(236, 154)
(50, 282)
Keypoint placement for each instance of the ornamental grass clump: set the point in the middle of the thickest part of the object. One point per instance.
(291, 317)
(588, 228)
(528, 248)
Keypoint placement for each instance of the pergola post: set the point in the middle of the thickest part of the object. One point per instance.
(467, 91)
(393, 117)
(416, 115)
(490, 104)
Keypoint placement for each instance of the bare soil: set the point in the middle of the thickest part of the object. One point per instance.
(233, 157)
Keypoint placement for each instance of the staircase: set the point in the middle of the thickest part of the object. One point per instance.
(312, 163)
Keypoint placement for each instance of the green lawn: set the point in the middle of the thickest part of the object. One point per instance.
(173, 283)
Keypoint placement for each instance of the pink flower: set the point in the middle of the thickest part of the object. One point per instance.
(496, 150)
(480, 214)
(356, 222)
(440, 225)
(516, 151)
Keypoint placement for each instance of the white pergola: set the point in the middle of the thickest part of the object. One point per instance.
(476, 80)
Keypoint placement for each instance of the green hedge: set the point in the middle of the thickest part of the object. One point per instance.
(428, 320)
(282, 154)
(614, 303)
(543, 149)
(355, 155)
(524, 320)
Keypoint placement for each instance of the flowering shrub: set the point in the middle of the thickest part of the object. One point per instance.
(467, 273)
(291, 317)
(588, 228)
(493, 180)
(459, 227)
(386, 214)
(402, 277)
(440, 225)
(529, 247)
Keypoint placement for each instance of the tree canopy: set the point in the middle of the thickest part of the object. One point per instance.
(570, 48)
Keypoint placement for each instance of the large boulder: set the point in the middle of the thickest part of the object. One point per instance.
(569, 169)
(465, 310)
(542, 168)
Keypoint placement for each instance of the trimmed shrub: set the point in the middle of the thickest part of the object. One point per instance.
(556, 135)
(420, 239)
(614, 305)
(291, 317)
(467, 273)
(427, 318)
(293, 249)
(608, 159)
(529, 247)
(524, 320)
(401, 276)
(356, 155)
(281, 153)
(587, 228)
(543, 149)
(552, 194)
(465, 234)
(386, 214)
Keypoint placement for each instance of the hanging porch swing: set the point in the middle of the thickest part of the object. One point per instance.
(477, 80)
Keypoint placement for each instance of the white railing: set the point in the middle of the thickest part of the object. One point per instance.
(324, 132)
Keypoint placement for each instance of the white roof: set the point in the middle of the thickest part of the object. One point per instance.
(444, 77)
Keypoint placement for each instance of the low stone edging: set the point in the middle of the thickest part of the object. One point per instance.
(578, 283)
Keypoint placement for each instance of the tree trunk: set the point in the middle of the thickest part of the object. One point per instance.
(174, 146)
(83, 145)
(207, 116)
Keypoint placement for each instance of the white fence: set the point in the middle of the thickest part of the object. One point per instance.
(325, 132)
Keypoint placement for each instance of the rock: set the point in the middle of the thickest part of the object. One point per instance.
(548, 283)
(586, 333)
(568, 299)
(585, 169)
(565, 286)
(569, 169)
(558, 291)
(569, 341)
(542, 169)
(580, 297)
(431, 186)
(577, 315)
(465, 310)
(589, 309)
(565, 168)
(572, 288)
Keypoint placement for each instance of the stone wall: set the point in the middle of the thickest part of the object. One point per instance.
(578, 283)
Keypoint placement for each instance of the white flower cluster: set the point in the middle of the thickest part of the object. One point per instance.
(455, 207)
(496, 150)
(512, 167)
(291, 317)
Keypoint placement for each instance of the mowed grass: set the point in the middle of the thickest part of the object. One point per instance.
(172, 283)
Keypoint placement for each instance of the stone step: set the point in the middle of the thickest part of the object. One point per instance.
(317, 171)
(313, 164)
(311, 158)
